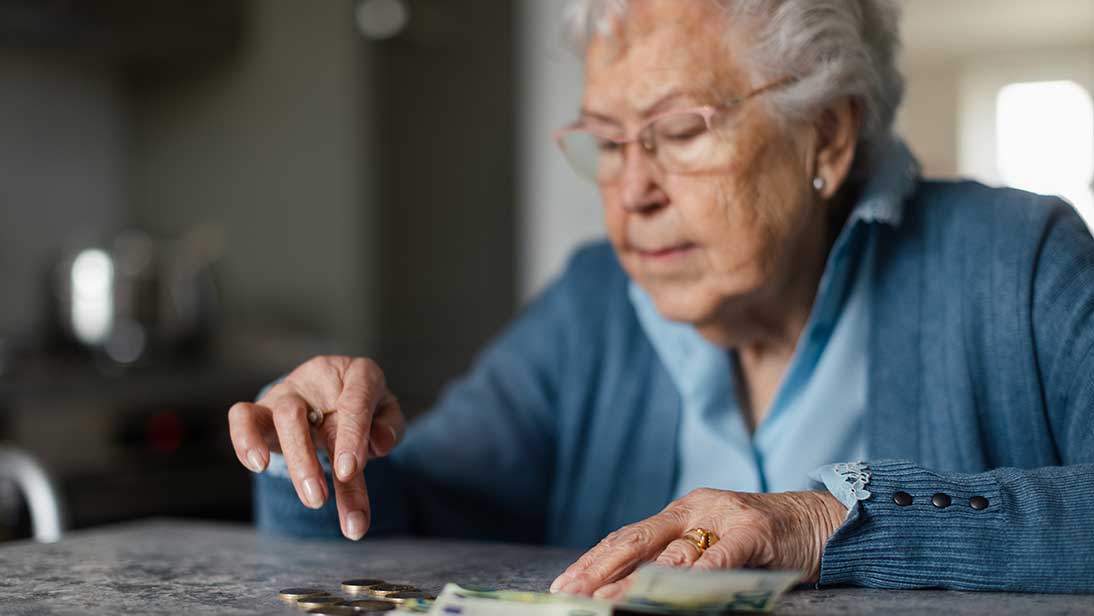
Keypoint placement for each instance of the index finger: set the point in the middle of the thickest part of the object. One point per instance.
(621, 552)
(363, 388)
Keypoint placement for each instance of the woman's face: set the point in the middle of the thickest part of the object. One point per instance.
(704, 246)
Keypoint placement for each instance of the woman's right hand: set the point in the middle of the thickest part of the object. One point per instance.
(366, 423)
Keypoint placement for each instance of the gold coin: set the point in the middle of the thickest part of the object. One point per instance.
(308, 603)
(371, 605)
(360, 585)
(335, 610)
(383, 590)
(292, 595)
(403, 597)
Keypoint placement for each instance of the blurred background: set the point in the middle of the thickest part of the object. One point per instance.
(196, 195)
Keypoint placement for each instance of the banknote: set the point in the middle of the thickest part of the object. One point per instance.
(671, 590)
(656, 590)
(480, 602)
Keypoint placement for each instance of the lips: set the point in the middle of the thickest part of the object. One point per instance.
(665, 252)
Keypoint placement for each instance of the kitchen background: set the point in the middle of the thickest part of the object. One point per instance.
(195, 195)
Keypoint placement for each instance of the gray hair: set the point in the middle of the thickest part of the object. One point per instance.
(833, 48)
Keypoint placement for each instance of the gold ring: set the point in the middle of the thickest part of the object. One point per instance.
(316, 416)
(701, 538)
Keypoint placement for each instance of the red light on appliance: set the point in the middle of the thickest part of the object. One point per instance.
(165, 432)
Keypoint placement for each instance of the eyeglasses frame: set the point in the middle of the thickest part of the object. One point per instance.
(706, 111)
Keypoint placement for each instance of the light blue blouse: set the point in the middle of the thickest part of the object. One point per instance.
(817, 413)
(979, 359)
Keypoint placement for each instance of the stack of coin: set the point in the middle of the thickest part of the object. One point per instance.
(310, 603)
(371, 605)
(359, 585)
(338, 610)
(292, 595)
(383, 597)
(410, 595)
(383, 590)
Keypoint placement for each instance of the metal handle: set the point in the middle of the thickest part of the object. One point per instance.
(47, 514)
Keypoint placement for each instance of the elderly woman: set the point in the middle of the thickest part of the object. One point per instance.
(795, 353)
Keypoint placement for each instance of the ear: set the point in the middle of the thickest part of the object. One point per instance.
(837, 137)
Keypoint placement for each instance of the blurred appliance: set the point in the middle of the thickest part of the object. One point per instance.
(135, 297)
(147, 441)
(47, 514)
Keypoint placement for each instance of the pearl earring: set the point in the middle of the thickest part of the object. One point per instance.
(818, 183)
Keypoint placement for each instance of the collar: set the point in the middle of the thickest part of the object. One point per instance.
(882, 200)
(889, 185)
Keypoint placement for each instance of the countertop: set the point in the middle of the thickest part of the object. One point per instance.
(169, 566)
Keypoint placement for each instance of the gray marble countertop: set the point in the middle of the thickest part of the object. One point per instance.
(187, 567)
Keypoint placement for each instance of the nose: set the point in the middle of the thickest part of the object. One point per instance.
(640, 181)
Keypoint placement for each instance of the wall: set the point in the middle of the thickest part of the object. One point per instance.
(447, 127)
(928, 118)
(558, 210)
(272, 146)
(63, 132)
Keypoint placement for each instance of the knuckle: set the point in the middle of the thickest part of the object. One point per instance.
(678, 515)
(350, 440)
(716, 559)
(291, 408)
(366, 366)
(610, 540)
(317, 367)
(701, 494)
(278, 390)
(239, 411)
(352, 489)
(373, 375)
(673, 557)
(303, 369)
(355, 400)
(638, 535)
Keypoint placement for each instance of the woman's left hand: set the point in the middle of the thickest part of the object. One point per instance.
(786, 531)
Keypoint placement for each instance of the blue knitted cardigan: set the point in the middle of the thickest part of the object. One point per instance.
(981, 383)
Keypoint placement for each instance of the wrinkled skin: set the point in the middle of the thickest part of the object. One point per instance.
(737, 253)
(366, 423)
(749, 243)
(783, 531)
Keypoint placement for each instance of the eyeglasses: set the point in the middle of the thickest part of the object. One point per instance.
(681, 141)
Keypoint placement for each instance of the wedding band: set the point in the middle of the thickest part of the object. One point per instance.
(316, 416)
(701, 538)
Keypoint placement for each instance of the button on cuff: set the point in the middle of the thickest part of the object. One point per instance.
(902, 499)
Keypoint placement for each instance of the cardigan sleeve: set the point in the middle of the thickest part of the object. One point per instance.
(478, 464)
(1006, 529)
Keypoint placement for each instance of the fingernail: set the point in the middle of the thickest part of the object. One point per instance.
(347, 463)
(555, 584)
(384, 447)
(572, 588)
(255, 461)
(313, 493)
(355, 525)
